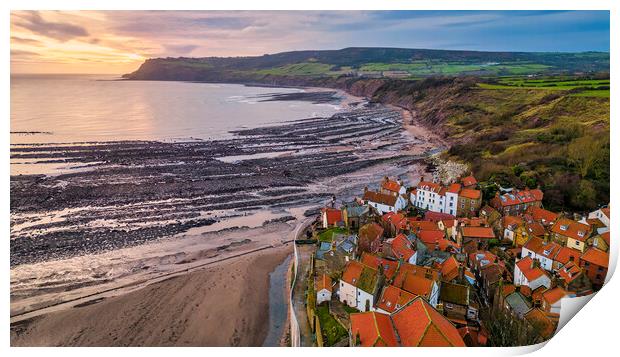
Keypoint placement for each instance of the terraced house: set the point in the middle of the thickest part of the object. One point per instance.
(517, 202)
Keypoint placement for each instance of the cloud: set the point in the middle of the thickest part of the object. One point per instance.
(61, 31)
(179, 49)
(25, 41)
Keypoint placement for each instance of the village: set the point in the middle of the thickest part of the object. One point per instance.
(437, 264)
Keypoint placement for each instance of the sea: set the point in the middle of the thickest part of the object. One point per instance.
(92, 108)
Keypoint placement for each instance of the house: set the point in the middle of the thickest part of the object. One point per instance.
(451, 269)
(473, 336)
(552, 298)
(331, 217)
(491, 215)
(402, 248)
(469, 202)
(359, 286)
(541, 215)
(418, 280)
(594, 262)
(394, 222)
(469, 182)
(565, 255)
(570, 233)
(573, 279)
(389, 267)
(602, 214)
(392, 299)
(474, 238)
(433, 197)
(516, 203)
(540, 250)
(355, 215)
(600, 241)
(510, 225)
(370, 238)
(323, 288)
(456, 302)
(382, 202)
(529, 273)
(393, 188)
(418, 324)
(372, 329)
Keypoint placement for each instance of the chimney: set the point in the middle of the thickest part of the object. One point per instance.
(461, 273)
(571, 258)
(365, 189)
(436, 245)
(385, 179)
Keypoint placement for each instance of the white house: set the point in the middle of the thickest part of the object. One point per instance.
(545, 252)
(552, 299)
(602, 214)
(323, 288)
(529, 274)
(384, 203)
(433, 197)
(358, 286)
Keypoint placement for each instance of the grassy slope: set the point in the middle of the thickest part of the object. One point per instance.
(532, 137)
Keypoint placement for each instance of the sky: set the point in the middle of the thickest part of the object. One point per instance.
(119, 41)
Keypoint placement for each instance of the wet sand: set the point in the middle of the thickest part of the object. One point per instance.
(226, 304)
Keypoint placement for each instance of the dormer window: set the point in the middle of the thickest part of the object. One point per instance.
(581, 233)
(563, 227)
(389, 303)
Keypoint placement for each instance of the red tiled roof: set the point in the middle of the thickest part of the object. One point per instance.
(536, 229)
(428, 236)
(554, 295)
(353, 271)
(569, 228)
(437, 216)
(324, 282)
(448, 223)
(531, 274)
(470, 193)
(450, 269)
(417, 285)
(393, 298)
(478, 232)
(454, 188)
(542, 215)
(511, 221)
(374, 329)
(423, 225)
(605, 237)
(402, 248)
(565, 253)
(371, 231)
(411, 269)
(596, 256)
(420, 325)
(390, 185)
(429, 186)
(389, 266)
(569, 272)
(538, 246)
(519, 197)
(333, 215)
(508, 289)
(378, 197)
(606, 212)
(469, 181)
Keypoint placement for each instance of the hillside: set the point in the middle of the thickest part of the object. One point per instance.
(356, 61)
(546, 125)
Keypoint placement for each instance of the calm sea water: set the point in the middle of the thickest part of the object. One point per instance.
(76, 108)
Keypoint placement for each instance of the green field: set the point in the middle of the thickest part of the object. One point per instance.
(427, 68)
(580, 87)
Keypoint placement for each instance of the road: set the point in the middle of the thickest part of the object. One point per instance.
(302, 337)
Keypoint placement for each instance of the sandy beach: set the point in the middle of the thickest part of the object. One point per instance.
(223, 305)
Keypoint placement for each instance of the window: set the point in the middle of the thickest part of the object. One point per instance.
(577, 243)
